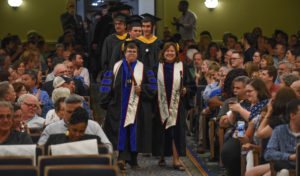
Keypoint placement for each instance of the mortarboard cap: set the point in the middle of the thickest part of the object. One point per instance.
(125, 7)
(148, 17)
(122, 17)
(135, 20)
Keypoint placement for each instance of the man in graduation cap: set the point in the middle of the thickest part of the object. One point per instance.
(127, 93)
(150, 45)
(134, 31)
(113, 40)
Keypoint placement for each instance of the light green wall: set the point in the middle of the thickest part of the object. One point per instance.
(40, 15)
(236, 16)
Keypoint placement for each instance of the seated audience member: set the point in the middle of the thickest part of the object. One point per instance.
(266, 60)
(297, 62)
(283, 67)
(211, 80)
(252, 69)
(296, 71)
(258, 96)
(250, 141)
(248, 41)
(275, 116)
(18, 123)
(237, 60)
(30, 80)
(227, 57)
(257, 57)
(276, 113)
(20, 89)
(71, 103)
(5, 76)
(76, 129)
(196, 69)
(279, 54)
(63, 70)
(59, 70)
(58, 97)
(203, 77)
(78, 80)
(77, 61)
(287, 79)
(29, 105)
(239, 94)
(282, 145)
(268, 76)
(8, 136)
(291, 55)
(62, 81)
(296, 87)
(211, 52)
(7, 92)
(215, 98)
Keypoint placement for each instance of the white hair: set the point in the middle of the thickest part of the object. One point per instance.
(23, 97)
(60, 93)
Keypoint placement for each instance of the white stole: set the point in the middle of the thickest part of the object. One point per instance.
(169, 113)
(133, 97)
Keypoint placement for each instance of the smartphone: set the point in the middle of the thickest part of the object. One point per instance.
(240, 128)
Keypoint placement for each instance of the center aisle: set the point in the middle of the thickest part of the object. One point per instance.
(149, 166)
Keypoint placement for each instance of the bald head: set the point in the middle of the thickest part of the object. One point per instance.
(296, 87)
(59, 70)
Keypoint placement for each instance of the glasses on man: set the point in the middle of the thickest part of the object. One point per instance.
(234, 58)
(131, 51)
(30, 105)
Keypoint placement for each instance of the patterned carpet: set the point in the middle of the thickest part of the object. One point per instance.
(195, 164)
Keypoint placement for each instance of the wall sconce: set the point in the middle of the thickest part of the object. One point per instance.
(211, 4)
(15, 3)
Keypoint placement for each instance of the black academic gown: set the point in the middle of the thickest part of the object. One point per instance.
(111, 99)
(162, 145)
(149, 50)
(107, 49)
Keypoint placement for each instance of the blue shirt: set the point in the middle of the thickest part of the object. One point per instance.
(44, 97)
(282, 144)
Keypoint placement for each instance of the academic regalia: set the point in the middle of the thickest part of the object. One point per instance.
(134, 21)
(163, 129)
(109, 43)
(114, 95)
(149, 50)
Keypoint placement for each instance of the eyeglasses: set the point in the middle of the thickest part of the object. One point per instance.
(234, 58)
(30, 105)
(130, 51)
(7, 116)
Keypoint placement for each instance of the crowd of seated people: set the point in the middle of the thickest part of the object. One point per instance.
(255, 82)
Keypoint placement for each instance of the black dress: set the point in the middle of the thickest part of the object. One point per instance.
(162, 138)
